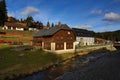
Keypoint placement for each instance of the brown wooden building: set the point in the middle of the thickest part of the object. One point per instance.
(15, 26)
(60, 38)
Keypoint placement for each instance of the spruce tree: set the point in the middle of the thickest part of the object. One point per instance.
(3, 12)
(48, 24)
(52, 25)
(29, 21)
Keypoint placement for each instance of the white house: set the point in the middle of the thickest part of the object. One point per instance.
(83, 37)
(15, 26)
(32, 28)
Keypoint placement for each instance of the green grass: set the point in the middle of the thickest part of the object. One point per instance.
(11, 63)
(27, 35)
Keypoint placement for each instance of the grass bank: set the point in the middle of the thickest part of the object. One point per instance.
(27, 35)
(14, 63)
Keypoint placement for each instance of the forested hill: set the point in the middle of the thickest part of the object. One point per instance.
(112, 35)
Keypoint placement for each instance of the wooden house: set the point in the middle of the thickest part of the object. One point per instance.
(58, 39)
(11, 19)
(83, 37)
(15, 26)
(101, 41)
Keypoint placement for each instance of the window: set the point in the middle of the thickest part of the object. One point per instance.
(69, 33)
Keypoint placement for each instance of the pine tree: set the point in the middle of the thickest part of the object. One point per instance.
(52, 25)
(39, 25)
(29, 20)
(3, 12)
(48, 24)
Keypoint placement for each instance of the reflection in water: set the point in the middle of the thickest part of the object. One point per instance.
(38, 76)
(73, 64)
(55, 71)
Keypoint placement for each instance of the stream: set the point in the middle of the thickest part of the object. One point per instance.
(65, 67)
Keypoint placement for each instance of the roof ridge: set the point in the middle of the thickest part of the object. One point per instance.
(51, 31)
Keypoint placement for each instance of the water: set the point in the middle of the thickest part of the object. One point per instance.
(71, 65)
(37, 76)
(54, 72)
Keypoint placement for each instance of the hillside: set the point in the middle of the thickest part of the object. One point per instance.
(26, 36)
(13, 35)
(111, 35)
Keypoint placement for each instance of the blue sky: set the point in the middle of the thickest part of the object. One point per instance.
(96, 15)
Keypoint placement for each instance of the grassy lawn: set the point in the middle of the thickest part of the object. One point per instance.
(13, 63)
(22, 39)
(27, 35)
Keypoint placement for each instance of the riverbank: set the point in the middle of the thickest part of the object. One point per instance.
(17, 63)
(62, 69)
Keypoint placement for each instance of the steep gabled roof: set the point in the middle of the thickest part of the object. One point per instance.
(82, 32)
(11, 19)
(51, 31)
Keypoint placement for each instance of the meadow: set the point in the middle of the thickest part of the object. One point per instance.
(19, 62)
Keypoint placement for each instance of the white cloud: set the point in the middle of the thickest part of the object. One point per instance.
(112, 17)
(11, 14)
(96, 12)
(85, 26)
(30, 11)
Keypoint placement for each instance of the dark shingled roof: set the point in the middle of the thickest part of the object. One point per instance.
(82, 32)
(51, 31)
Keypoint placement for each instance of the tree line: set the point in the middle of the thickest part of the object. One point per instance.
(3, 12)
(113, 35)
(34, 24)
(29, 20)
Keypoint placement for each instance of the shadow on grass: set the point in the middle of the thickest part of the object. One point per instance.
(17, 63)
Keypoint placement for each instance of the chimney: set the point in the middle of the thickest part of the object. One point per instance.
(59, 24)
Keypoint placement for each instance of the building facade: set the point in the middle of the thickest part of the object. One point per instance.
(83, 37)
(14, 26)
(58, 39)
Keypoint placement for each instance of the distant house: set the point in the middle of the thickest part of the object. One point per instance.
(15, 26)
(59, 39)
(83, 37)
(11, 19)
(32, 28)
(101, 41)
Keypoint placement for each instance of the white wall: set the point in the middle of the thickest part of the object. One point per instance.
(20, 29)
(17, 28)
(5, 27)
(32, 29)
(86, 40)
(61, 51)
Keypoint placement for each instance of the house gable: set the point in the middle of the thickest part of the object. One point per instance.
(56, 38)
